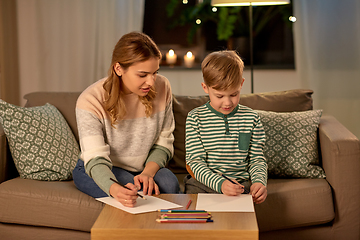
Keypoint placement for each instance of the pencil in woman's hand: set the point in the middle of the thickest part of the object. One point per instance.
(126, 187)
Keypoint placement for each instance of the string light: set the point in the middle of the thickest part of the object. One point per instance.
(292, 19)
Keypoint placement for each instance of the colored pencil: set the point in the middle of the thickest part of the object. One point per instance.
(126, 187)
(188, 205)
(182, 220)
(186, 216)
(179, 210)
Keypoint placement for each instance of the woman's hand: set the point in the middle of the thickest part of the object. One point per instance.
(258, 192)
(146, 179)
(148, 184)
(230, 189)
(125, 196)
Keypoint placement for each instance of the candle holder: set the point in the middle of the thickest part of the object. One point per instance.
(189, 59)
(171, 57)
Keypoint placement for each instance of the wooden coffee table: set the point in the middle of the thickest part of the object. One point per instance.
(114, 223)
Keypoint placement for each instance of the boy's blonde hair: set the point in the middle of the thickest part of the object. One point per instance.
(222, 70)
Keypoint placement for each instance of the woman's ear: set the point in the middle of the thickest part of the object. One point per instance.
(118, 69)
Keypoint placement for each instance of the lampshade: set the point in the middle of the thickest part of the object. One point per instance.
(224, 3)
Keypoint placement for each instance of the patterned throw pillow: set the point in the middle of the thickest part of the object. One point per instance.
(41, 142)
(291, 147)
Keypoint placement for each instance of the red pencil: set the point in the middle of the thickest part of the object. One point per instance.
(188, 205)
(184, 220)
(185, 216)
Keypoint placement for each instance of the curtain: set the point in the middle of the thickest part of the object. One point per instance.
(65, 45)
(9, 66)
(327, 50)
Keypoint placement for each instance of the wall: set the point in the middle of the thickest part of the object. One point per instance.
(327, 56)
(187, 81)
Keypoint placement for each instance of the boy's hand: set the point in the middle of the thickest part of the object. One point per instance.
(230, 189)
(258, 192)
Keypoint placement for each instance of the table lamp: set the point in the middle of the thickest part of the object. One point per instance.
(250, 3)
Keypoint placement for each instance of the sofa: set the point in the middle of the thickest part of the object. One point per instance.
(296, 207)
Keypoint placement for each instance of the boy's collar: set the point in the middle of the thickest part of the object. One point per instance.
(221, 114)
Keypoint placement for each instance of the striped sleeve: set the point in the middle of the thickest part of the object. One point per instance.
(196, 156)
(257, 162)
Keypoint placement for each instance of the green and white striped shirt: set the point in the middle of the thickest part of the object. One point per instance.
(229, 144)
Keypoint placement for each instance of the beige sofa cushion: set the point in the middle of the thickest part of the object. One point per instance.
(295, 203)
(53, 204)
(283, 101)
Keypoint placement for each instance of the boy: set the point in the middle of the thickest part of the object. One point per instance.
(225, 140)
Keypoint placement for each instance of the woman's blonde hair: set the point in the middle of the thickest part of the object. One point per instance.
(132, 48)
(222, 70)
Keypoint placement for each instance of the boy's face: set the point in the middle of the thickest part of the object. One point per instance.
(223, 101)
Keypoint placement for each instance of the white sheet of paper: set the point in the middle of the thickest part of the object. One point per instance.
(223, 203)
(149, 205)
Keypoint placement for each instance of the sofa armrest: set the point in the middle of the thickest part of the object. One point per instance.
(340, 150)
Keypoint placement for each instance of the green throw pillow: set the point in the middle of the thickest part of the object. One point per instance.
(291, 147)
(41, 142)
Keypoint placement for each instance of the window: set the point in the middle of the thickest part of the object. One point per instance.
(272, 31)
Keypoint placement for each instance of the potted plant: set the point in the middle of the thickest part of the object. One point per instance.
(230, 22)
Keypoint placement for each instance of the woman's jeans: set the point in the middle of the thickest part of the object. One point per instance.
(164, 178)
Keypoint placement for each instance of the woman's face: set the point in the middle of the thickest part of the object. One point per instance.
(139, 77)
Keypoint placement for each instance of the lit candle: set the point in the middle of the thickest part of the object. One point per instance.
(189, 59)
(171, 57)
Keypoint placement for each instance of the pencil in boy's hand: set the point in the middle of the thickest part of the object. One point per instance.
(232, 181)
(126, 187)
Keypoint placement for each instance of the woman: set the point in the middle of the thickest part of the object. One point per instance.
(125, 125)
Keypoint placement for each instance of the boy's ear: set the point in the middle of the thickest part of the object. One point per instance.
(205, 88)
(118, 69)
(242, 82)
